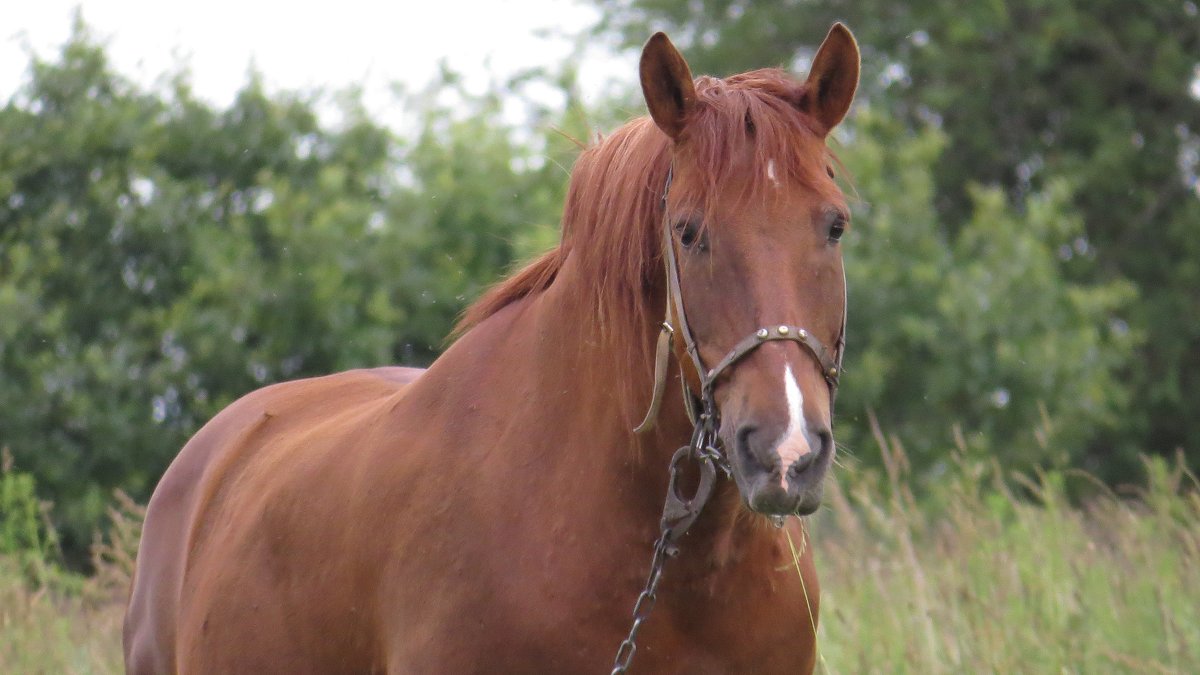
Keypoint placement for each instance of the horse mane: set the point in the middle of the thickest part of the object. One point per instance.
(611, 224)
(606, 223)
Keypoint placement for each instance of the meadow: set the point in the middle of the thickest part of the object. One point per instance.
(983, 570)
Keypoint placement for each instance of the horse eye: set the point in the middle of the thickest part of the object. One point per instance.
(837, 227)
(689, 235)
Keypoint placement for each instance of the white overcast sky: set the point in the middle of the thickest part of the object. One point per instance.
(320, 43)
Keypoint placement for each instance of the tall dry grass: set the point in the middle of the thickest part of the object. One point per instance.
(60, 622)
(995, 572)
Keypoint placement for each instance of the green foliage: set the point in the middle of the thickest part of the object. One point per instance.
(971, 325)
(53, 620)
(160, 257)
(27, 540)
(475, 202)
(53, 629)
(1067, 103)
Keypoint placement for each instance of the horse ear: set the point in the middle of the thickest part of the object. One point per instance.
(666, 84)
(833, 78)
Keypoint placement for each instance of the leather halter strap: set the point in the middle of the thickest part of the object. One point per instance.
(829, 365)
(830, 361)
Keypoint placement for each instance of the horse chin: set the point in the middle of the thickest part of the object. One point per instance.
(773, 500)
(764, 494)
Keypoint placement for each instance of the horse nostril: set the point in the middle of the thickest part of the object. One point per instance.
(743, 438)
(803, 462)
(824, 441)
(755, 454)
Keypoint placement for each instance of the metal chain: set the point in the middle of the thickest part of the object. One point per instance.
(645, 603)
(678, 515)
(705, 442)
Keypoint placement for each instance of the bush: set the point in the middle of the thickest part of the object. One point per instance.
(52, 620)
(27, 539)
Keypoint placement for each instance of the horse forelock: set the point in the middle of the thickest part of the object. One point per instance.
(611, 224)
(759, 108)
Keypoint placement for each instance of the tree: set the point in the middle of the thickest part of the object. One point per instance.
(160, 257)
(971, 326)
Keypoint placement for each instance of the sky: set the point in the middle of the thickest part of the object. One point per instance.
(303, 45)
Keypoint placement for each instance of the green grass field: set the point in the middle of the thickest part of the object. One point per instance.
(992, 573)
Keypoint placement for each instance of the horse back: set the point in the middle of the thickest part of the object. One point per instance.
(182, 504)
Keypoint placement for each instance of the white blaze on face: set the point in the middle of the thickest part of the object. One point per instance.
(771, 172)
(794, 443)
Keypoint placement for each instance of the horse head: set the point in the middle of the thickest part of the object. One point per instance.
(752, 219)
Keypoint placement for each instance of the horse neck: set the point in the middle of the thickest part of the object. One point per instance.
(635, 466)
(609, 369)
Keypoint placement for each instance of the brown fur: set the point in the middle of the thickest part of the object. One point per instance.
(495, 513)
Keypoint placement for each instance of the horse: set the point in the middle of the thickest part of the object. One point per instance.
(497, 512)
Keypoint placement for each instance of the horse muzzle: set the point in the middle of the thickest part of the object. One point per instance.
(781, 476)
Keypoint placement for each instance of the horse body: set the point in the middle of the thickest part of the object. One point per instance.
(465, 558)
(496, 513)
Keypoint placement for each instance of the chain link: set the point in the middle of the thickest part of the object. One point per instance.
(645, 603)
(678, 515)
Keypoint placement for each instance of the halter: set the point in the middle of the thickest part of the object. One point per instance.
(830, 361)
(680, 512)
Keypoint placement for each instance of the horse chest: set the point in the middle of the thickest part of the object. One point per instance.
(756, 616)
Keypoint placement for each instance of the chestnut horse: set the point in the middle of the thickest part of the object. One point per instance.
(496, 512)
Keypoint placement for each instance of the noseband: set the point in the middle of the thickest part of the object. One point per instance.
(705, 446)
(830, 361)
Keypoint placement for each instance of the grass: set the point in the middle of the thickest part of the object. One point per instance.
(986, 572)
(998, 573)
(54, 621)
(54, 628)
